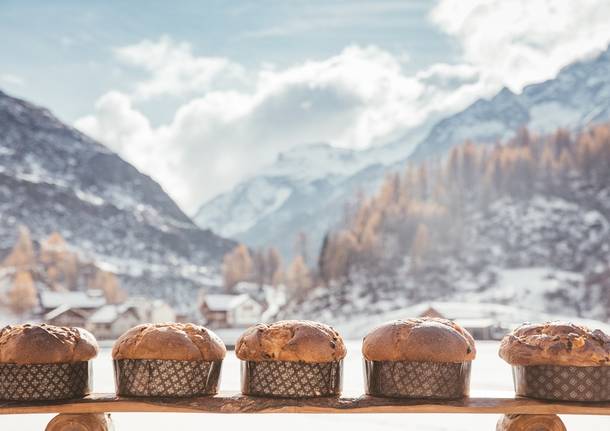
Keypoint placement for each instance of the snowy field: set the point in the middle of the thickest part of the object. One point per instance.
(489, 374)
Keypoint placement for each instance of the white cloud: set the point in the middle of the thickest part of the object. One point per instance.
(235, 121)
(175, 70)
(517, 42)
(353, 99)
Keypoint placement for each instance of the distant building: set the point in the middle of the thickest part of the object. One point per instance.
(161, 311)
(254, 290)
(69, 308)
(110, 321)
(480, 327)
(66, 316)
(152, 311)
(225, 311)
(432, 312)
(106, 321)
(87, 301)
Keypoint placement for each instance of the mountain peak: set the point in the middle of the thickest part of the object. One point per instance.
(308, 187)
(578, 96)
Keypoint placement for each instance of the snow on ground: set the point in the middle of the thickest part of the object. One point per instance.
(505, 316)
(490, 374)
(530, 287)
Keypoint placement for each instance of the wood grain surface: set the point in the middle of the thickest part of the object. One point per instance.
(237, 403)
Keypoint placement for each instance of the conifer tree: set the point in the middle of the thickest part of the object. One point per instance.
(109, 284)
(21, 255)
(23, 296)
(298, 277)
(236, 267)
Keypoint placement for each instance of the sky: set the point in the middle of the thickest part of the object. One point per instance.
(203, 94)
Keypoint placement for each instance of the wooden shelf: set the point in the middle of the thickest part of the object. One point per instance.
(237, 403)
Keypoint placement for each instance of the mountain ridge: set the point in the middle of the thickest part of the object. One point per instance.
(54, 178)
(578, 96)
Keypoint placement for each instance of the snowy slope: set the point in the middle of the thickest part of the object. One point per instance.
(54, 178)
(508, 316)
(578, 96)
(267, 193)
(543, 254)
(304, 190)
(307, 188)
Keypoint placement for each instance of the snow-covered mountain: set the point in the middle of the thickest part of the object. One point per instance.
(579, 95)
(54, 178)
(525, 225)
(307, 188)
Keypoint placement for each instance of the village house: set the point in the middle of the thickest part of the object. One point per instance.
(110, 321)
(66, 316)
(481, 327)
(69, 308)
(86, 301)
(226, 311)
(89, 309)
(152, 310)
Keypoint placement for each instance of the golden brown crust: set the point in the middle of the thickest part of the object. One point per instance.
(419, 340)
(169, 341)
(45, 344)
(290, 340)
(556, 343)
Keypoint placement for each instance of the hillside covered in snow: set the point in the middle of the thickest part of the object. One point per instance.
(55, 179)
(578, 96)
(307, 189)
(525, 224)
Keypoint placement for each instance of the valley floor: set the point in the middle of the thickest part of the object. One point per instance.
(489, 374)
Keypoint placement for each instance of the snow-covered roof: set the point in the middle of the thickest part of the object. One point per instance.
(220, 302)
(246, 287)
(109, 313)
(143, 302)
(52, 300)
(61, 310)
(476, 323)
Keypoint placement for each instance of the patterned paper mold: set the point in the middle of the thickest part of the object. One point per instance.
(407, 379)
(561, 382)
(33, 382)
(166, 378)
(291, 379)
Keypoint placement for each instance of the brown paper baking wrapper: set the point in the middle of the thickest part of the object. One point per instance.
(291, 379)
(566, 383)
(33, 382)
(164, 378)
(406, 379)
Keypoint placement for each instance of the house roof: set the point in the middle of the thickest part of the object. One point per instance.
(224, 302)
(52, 300)
(56, 312)
(109, 313)
(476, 323)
